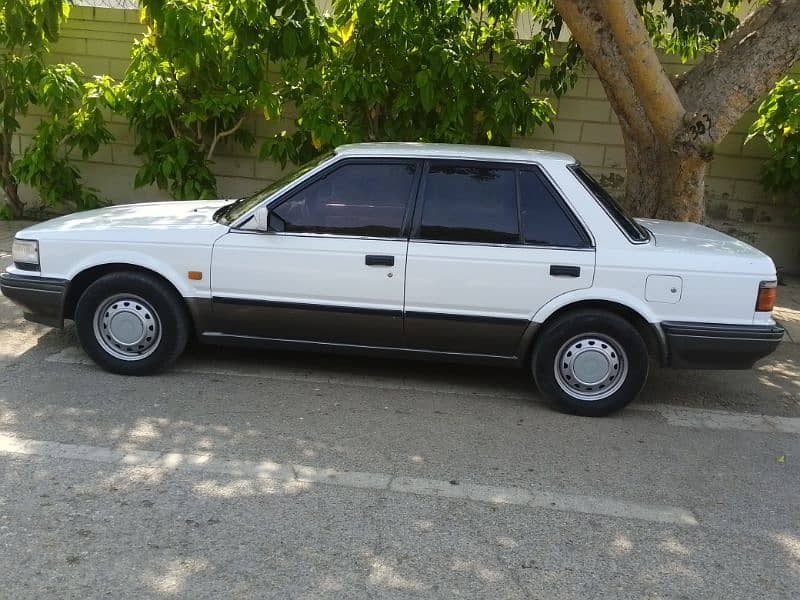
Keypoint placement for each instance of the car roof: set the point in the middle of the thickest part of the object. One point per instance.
(462, 151)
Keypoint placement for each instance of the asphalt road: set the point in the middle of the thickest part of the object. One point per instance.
(258, 474)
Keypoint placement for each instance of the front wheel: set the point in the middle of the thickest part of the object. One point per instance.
(131, 323)
(590, 363)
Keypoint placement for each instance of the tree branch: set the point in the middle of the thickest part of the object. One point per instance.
(744, 67)
(223, 134)
(588, 27)
(657, 95)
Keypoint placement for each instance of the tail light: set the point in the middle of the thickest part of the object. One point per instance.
(767, 294)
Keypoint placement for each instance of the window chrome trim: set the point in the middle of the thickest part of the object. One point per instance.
(497, 245)
(402, 239)
(317, 235)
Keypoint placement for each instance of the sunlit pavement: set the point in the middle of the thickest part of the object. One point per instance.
(257, 474)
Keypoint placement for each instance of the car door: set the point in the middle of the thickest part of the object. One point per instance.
(491, 244)
(332, 267)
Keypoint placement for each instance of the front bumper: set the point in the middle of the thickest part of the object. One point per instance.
(41, 298)
(717, 346)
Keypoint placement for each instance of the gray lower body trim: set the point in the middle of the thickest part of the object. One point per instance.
(212, 337)
(356, 330)
(41, 298)
(719, 346)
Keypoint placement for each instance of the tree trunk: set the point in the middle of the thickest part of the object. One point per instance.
(664, 184)
(669, 130)
(9, 182)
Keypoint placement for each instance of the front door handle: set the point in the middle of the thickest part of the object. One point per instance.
(565, 271)
(379, 260)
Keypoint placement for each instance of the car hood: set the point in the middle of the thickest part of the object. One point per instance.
(697, 239)
(147, 215)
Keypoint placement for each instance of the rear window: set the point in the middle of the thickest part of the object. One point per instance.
(632, 229)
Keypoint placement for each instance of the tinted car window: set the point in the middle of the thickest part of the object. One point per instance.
(355, 199)
(469, 204)
(544, 221)
(624, 221)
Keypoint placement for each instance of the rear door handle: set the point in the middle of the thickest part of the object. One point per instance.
(565, 271)
(379, 260)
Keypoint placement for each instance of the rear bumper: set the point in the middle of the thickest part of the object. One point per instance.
(716, 346)
(41, 298)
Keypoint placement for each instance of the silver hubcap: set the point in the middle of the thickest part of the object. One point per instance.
(127, 327)
(591, 367)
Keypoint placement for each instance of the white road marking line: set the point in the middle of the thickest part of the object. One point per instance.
(283, 473)
(700, 418)
(678, 416)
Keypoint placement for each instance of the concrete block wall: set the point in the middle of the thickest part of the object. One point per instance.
(99, 40)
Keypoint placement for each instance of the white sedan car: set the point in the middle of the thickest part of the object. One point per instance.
(492, 255)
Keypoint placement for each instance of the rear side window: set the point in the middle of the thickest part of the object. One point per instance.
(632, 229)
(544, 220)
(469, 204)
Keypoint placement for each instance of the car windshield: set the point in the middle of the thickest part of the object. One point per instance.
(632, 229)
(231, 212)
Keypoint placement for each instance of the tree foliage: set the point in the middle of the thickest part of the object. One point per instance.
(779, 123)
(431, 70)
(197, 73)
(74, 120)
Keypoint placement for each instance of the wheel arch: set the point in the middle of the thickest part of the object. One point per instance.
(83, 279)
(650, 331)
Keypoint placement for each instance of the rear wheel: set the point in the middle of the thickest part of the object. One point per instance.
(131, 323)
(590, 363)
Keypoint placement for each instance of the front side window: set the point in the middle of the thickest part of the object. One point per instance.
(231, 212)
(355, 199)
(469, 204)
(544, 220)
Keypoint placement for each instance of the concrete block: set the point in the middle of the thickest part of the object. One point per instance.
(614, 157)
(587, 154)
(109, 34)
(103, 155)
(91, 65)
(133, 15)
(601, 133)
(233, 166)
(114, 15)
(750, 191)
(583, 110)
(267, 171)
(743, 124)
(108, 48)
(70, 45)
(118, 26)
(757, 148)
(28, 123)
(563, 131)
(579, 89)
(123, 155)
(731, 145)
(78, 13)
(238, 187)
(595, 89)
(736, 167)
(117, 67)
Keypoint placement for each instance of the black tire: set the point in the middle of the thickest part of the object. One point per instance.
(169, 319)
(582, 333)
